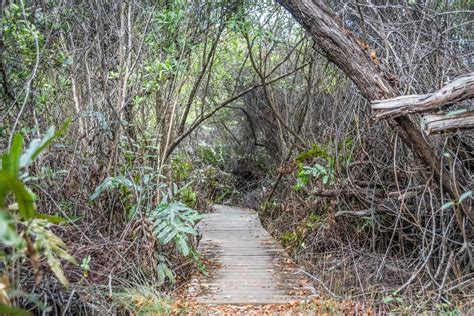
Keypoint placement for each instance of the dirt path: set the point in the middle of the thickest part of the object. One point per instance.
(250, 267)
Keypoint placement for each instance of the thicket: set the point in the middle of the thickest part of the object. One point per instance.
(175, 105)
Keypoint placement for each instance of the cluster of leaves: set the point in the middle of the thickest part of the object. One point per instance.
(181, 168)
(24, 231)
(320, 163)
(316, 171)
(174, 223)
(20, 35)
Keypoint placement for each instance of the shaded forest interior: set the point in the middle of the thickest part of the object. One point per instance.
(347, 125)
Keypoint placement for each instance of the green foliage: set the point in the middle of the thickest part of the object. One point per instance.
(8, 233)
(181, 168)
(19, 33)
(392, 298)
(316, 151)
(51, 246)
(320, 162)
(316, 171)
(8, 310)
(188, 196)
(290, 239)
(312, 221)
(210, 156)
(111, 183)
(174, 223)
(85, 265)
(25, 231)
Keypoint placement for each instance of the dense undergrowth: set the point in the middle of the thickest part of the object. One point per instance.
(176, 105)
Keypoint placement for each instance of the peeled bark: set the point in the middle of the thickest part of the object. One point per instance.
(458, 90)
(341, 47)
(433, 124)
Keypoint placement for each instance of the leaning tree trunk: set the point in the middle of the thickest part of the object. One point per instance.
(342, 48)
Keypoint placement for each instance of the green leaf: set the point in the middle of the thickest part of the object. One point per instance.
(8, 233)
(112, 183)
(387, 299)
(36, 146)
(325, 179)
(169, 237)
(8, 310)
(162, 235)
(165, 272)
(10, 161)
(23, 195)
(50, 218)
(182, 245)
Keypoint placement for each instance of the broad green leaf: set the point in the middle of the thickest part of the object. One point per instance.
(165, 272)
(23, 195)
(325, 179)
(169, 237)
(388, 299)
(50, 218)
(112, 183)
(162, 235)
(182, 246)
(8, 233)
(36, 146)
(10, 161)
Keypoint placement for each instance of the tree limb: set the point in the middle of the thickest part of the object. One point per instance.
(438, 123)
(458, 90)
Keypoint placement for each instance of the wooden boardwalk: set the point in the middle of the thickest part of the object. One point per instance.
(250, 266)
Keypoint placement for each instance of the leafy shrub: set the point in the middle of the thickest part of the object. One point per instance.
(316, 171)
(24, 231)
(181, 168)
(174, 222)
(188, 196)
(210, 156)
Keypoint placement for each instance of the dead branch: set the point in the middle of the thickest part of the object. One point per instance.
(458, 90)
(360, 213)
(438, 123)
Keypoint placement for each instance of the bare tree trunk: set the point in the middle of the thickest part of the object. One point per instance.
(342, 48)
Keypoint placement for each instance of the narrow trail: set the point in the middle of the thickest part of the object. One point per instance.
(250, 267)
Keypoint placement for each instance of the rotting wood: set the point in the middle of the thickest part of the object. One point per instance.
(438, 123)
(458, 90)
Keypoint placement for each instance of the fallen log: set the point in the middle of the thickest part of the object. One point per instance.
(438, 123)
(458, 90)
(362, 213)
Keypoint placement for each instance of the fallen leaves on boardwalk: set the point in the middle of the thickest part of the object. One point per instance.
(317, 306)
